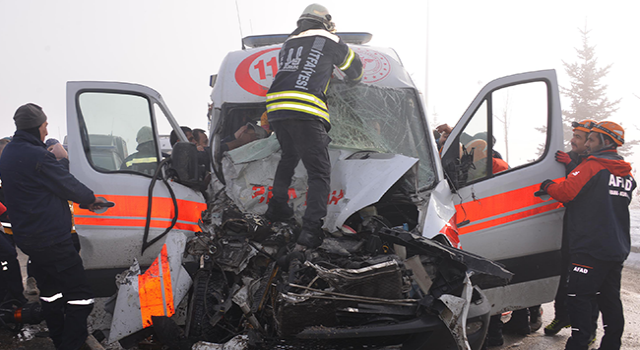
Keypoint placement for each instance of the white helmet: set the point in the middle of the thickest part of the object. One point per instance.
(145, 134)
(318, 13)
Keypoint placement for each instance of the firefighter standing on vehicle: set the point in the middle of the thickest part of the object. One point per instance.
(297, 112)
(570, 160)
(597, 194)
(37, 185)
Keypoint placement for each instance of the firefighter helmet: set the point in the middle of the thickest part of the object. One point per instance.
(145, 134)
(318, 13)
(611, 129)
(584, 125)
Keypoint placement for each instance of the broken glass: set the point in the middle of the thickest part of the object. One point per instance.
(380, 119)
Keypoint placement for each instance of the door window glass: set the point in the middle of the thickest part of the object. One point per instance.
(164, 129)
(473, 142)
(508, 131)
(117, 132)
(520, 114)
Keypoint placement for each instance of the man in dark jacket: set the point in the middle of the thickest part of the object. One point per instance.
(298, 113)
(597, 194)
(570, 161)
(37, 185)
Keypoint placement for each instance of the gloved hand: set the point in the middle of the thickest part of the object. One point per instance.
(351, 82)
(563, 157)
(545, 184)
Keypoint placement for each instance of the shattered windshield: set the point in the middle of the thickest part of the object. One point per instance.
(385, 120)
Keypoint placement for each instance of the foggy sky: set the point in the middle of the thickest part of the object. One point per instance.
(174, 46)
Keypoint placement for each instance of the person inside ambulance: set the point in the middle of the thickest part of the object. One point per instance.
(144, 160)
(570, 160)
(201, 139)
(444, 130)
(264, 123)
(479, 149)
(597, 194)
(298, 114)
(173, 137)
(244, 135)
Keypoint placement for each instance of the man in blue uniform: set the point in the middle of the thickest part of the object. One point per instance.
(37, 185)
(298, 113)
(597, 194)
(570, 161)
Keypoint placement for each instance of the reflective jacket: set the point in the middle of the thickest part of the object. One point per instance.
(143, 161)
(306, 64)
(37, 188)
(597, 194)
(576, 159)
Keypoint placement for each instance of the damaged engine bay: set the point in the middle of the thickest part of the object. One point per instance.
(367, 285)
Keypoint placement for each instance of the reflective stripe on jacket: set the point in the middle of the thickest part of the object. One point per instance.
(307, 61)
(597, 194)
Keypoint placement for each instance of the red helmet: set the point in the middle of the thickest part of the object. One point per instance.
(584, 125)
(611, 129)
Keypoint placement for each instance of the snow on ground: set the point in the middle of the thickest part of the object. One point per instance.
(634, 258)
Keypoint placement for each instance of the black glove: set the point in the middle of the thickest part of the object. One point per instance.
(545, 185)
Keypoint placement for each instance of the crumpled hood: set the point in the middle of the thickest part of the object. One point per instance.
(358, 179)
(612, 161)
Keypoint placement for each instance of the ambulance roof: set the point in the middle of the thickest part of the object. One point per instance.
(246, 75)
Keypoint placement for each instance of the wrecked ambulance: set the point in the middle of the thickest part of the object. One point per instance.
(392, 199)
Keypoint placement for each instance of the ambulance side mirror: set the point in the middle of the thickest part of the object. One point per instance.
(456, 164)
(184, 162)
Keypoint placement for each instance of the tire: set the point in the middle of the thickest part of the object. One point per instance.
(208, 289)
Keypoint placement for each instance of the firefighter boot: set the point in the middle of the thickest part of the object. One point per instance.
(311, 235)
(519, 323)
(278, 212)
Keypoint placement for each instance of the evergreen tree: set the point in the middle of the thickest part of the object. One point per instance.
(588, 94)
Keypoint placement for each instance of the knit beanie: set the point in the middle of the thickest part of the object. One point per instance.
(29, 116)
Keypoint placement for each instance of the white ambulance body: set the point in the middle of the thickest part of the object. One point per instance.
(384, 158)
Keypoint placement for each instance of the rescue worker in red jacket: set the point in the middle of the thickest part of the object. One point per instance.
(578, 142)
(570, 160)
(597, 194)
(297, 112)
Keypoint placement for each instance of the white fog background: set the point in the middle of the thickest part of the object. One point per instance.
(451, 48)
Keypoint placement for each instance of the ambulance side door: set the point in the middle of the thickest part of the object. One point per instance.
(115, 149)
(510, 134)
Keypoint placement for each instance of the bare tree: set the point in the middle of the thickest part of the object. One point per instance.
(505, 120)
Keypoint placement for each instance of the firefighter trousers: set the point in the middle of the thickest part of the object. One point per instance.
(11, 287)
(65, 294)
(587, 277)
(305, 140)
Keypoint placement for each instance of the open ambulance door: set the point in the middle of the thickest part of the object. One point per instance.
(518, 119)
(114, 149)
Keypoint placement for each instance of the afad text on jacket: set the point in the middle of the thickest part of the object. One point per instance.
(597, 194)
(307, 60)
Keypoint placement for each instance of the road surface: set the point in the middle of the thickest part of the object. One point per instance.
(27, 339)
